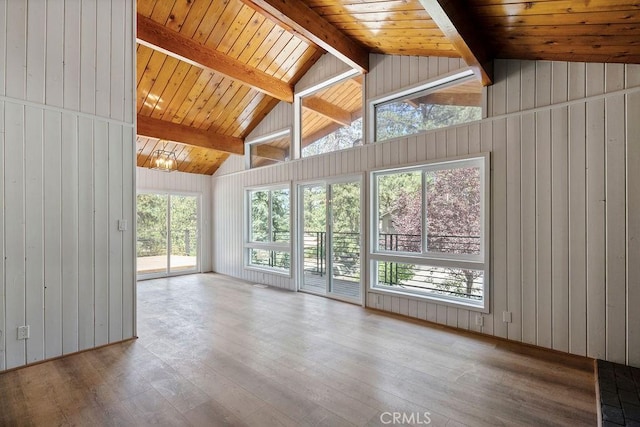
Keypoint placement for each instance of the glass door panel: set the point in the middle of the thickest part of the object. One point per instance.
(151, 224)
(168, 235)
(331, 239)
(345, 240)
(314, 238)
(183, 217)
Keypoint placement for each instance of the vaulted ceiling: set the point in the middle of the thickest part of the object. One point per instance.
(208, 71)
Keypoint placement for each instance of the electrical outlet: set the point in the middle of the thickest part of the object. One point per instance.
(479, 320)
(507, 317)
(122, 225)
(23, 332)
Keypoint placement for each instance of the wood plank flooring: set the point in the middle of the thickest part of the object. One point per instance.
(217, 351)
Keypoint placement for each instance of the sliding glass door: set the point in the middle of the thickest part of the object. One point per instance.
(183, 236)
(331, 238)
(168, 234)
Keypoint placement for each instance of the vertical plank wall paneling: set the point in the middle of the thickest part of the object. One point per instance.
(101, 232)
(281, 117)
(596, 199)
(633, 221)
(615, 215)
(128, 242)
(577, 212)
(3, 299)
(115, 236)
(327, 67)
(52, 235)
(67, 176)
(70, 237)
(152, 180)
(86, 244)
(565, 186)
(14, 232)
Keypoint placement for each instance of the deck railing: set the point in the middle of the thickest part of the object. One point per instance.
(346, 260)
(346, 254)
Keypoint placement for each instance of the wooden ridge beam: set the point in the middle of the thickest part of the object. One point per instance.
(298, 18)
(462, 32)
(156, 128)
(158, 37)
(327, 109)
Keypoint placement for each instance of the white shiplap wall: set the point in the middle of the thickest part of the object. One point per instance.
(281, 117)
(565, 145)
(234, 163)
(390, 73)
(327, 67)
(179, 182)
(67, 154)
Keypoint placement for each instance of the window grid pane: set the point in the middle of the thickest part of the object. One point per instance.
(434, 108)
(259, 220)
(280, 216)
(269, 223)
(270, 152)
(463, 284)
(453, 210)
(445, 200)
(271, 259)
(331, 118)
(400, 212)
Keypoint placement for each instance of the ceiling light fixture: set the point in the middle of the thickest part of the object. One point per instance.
(164, 160)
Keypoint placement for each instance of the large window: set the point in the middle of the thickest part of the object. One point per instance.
(269, 149)
(331, 117)
(430, 231)
(448, 101)
(269, 229)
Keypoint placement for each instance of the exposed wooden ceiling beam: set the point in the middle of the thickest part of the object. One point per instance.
(156, 128)
(268, 152)
(462, 32)
(329, 129)
(170, 42)
(298, 18)
(321, 133)
(327, 109)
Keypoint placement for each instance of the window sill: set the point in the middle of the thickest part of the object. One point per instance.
(274, 271)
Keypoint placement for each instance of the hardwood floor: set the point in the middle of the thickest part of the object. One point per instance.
(216, 351)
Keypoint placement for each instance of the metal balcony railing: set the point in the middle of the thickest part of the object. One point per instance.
(345, 250)
(346, 259)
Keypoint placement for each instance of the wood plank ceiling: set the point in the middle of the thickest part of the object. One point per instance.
(208, 71)
(565, 30)
(177, 91)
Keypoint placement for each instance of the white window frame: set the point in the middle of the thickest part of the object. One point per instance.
(198, 267)
(329, 181)
(428, 86)
(269, 245)
(478, 262)
(265, 139)
(297, 107)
